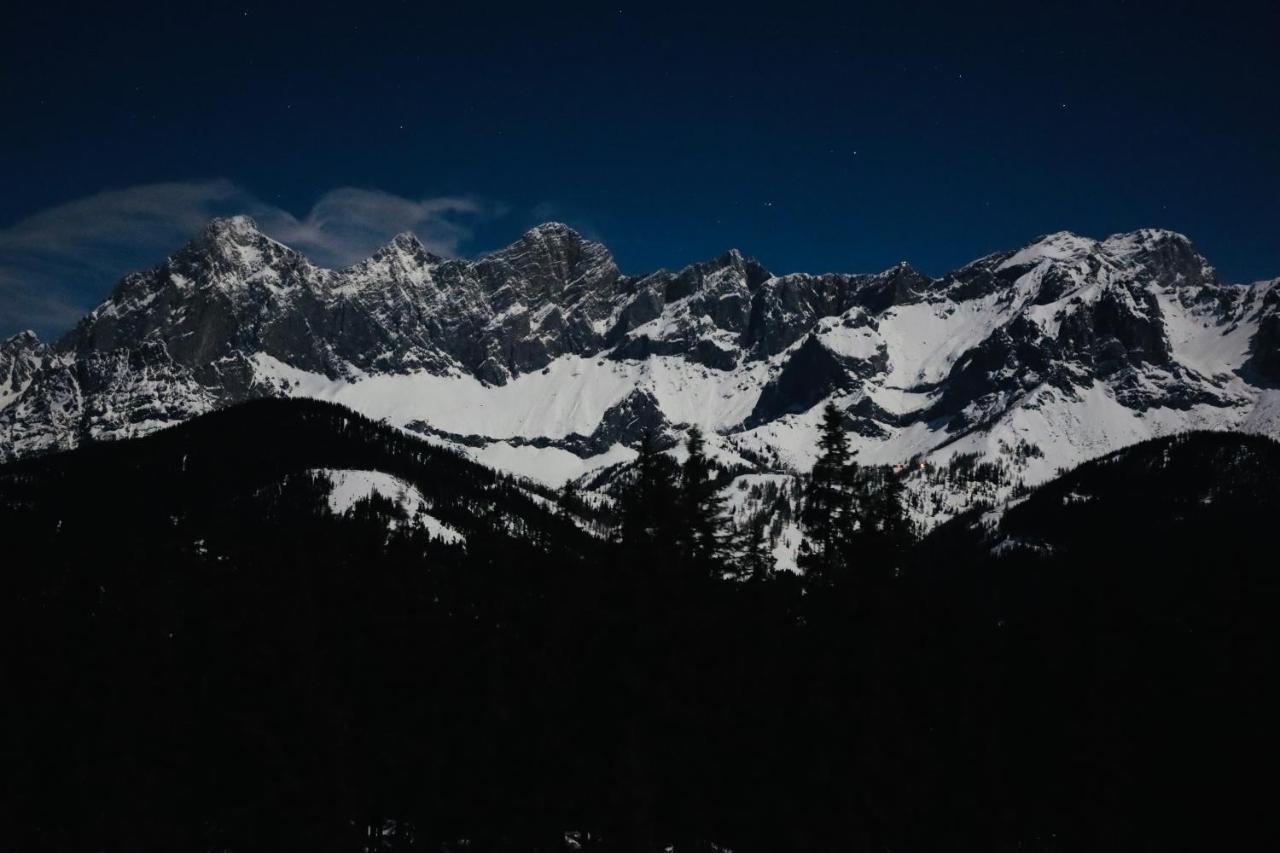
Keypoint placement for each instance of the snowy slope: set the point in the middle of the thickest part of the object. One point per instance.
(351, 486)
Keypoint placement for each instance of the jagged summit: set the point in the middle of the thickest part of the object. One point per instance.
(1062, 237)
(553, 229)
(230, 248)
(551, 239)
(26, 337)
(408, 245)
(21, 358)
(1061, 245)
(738, 260)
(734, 257)
(905, 271)
(1058, 246)
(1148, 235)
(406, 240)
(240, 225)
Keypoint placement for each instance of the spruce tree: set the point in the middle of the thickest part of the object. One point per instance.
(649, 503)
(757, 562)
(829, 512)
(884, 531)
(569, 502)
(701, 535)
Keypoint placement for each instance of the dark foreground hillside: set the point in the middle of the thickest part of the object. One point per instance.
(197, 655)
(1124, 654)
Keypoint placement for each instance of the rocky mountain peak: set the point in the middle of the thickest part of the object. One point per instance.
(405, 241)
(407, 249)
(740, 266)
(553, 231)
(1148, 237)
(232, 247)
(1056, 247)
(747, 267)
(240, 226)
(21, 355)
(1158, 249)
(25, 339)
(904, 275)
(1063, 238)
(550, 239)
(1169, 257)
(558, 263)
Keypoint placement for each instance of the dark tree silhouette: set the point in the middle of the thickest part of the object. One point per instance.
(829, 513)
(701, 536)
(650, 503)
(756, 561)
(884, 534)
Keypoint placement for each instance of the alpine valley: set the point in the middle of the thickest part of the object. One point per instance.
(545, 361)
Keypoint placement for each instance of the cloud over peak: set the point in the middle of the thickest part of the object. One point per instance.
(57, 264)
(348, 224)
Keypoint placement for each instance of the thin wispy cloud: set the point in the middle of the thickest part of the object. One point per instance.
(347, 224)
(57, 264)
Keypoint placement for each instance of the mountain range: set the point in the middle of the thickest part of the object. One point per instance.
(543, 359)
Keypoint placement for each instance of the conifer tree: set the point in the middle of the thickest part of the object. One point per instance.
(829, 512)
(884, 530)
(701, 533)
(569, 502)
(648, 506)
(757, 561)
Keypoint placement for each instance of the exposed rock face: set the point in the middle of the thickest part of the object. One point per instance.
(21, 356)
(1013, 360)
(789, 306)
(811, 374)
(1264, 349)
(546, 344)
(233, 289)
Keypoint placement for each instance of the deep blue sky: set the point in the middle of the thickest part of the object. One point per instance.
(814, 140)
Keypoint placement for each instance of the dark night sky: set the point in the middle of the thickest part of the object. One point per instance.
(814, 140)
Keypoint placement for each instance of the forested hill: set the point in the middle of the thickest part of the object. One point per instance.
(1214, 493)
(201, 653)
(213, 473)
(1115, 635)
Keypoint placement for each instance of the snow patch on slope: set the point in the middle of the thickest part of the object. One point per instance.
(550, 466)
(352, 486)
(926, 338)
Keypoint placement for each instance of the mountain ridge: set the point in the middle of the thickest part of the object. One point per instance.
(547, 357)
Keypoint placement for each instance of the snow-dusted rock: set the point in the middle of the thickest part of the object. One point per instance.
(21, 356)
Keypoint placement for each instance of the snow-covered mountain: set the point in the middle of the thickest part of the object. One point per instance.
(545, 360)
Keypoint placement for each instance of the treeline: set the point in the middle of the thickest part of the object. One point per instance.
(853, 519)
(199, 656)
